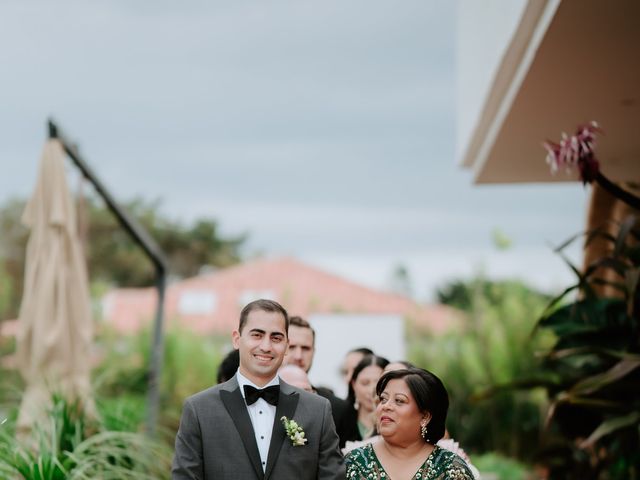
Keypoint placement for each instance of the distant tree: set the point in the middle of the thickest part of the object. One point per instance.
(401, 280)
(112, 256)
(6, 291)
(457, 293)
(464, 294)
(13, 245)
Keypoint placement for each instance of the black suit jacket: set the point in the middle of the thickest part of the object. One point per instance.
(344, 416)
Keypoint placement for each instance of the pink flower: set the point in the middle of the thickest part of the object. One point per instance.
(576, 151)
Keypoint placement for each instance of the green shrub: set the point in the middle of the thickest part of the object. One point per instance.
(500, 467)
(494, 347)
(190, 363)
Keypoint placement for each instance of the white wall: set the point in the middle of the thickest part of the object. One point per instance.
(484, 30)
(336, 334)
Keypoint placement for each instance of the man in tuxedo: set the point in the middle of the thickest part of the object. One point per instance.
(302, 339)
(234, 430)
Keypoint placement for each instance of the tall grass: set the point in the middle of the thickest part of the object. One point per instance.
(69, 446)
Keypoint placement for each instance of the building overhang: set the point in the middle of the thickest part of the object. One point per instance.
(569, 62)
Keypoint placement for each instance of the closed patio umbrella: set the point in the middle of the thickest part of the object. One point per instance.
(55, 328)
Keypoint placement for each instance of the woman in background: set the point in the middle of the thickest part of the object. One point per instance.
(362, 394)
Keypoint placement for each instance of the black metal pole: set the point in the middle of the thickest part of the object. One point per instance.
(153, 252)
(157, 354)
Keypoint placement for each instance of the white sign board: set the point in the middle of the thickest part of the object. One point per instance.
(336, 334)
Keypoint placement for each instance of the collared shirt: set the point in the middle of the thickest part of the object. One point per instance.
(262, 415)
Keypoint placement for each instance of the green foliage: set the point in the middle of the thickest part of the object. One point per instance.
(494, 348)
(501, 467)
(6, 291)
(124, 413)
(592, 370)
(13, 245)
(69, 446)
(189, 365)
(113, 258)
(11, 383)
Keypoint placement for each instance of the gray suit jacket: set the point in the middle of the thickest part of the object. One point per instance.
(216, 441)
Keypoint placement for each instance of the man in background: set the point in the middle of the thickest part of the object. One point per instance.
(301, 351)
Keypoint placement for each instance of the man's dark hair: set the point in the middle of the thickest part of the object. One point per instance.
(228, 366)
(266, 306)
(300, 322)
(429, 394)
(367, 361)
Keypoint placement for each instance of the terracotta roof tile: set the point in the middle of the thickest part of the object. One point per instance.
(212, 302)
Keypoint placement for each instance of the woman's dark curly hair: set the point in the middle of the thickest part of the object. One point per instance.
(429, 394)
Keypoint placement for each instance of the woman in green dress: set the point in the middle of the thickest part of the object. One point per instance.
(410, 418)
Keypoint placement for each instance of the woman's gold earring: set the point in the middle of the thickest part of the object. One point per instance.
(423, 430)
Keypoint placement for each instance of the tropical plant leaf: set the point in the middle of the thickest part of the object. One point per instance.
(609, 426)
(621, 287)
(591, 235)
(614, 263)
(598, 403)
(631, 278)
(621, 239)
(596, 357)
(568, 241)
(596, 382)
(633, 253)
(522, 384)
(552, 306)
(600, 233)
(584, 316)
(593, 311)
(576, 271)
(591, 349)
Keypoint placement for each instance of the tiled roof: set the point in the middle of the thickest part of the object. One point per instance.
(212, 302)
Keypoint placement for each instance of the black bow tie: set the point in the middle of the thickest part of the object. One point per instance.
(270, 394)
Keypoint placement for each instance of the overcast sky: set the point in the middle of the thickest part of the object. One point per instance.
(323, 129)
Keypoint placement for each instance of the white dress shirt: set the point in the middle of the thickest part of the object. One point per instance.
(262, 415)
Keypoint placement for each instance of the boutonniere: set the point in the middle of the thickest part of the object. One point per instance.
(294, 432)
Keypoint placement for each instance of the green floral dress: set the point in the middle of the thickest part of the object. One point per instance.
(363, 464)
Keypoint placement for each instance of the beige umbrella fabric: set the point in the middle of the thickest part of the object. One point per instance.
(55, 328)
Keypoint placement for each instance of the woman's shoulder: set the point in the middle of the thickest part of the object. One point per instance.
(364, 452)
(362, 463)
(451, 464)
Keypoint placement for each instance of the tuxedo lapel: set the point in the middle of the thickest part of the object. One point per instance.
(235, 405)
(287, 403)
